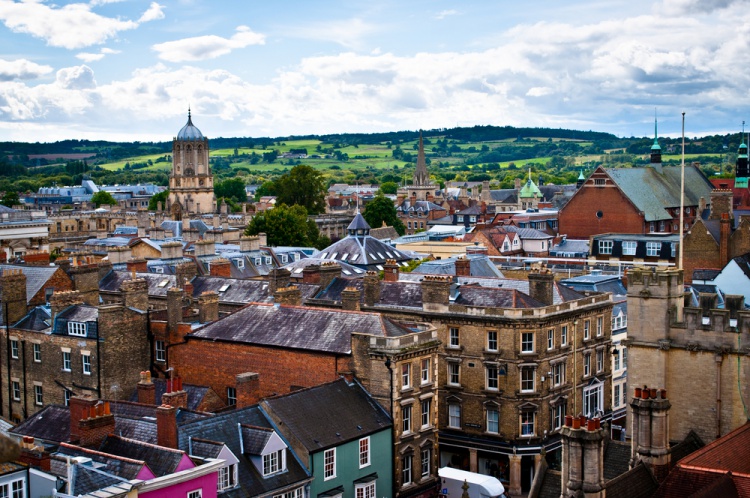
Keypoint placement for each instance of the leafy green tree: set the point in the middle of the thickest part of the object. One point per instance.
(303, 186)
(103, 197)
(381, 209)
(388, 188)
(10, 199)
(287, 226)
(153, 202)
(265, 189)
(232, 188)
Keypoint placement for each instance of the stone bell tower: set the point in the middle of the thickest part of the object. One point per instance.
(191, 184)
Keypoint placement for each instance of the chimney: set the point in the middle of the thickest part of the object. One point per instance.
(701, 206)
(86, 281)
(311, 274)
(329, 271)
(278, 278)
(650, 442)
(208, 307)
(205, 248)
(61, 300)
(372, 288)
(583, 457)
(220, 267)
(171, 250)
(34, 455)
(463, 267)
(725, 229)
(436, 291)
(721, 204)
(185, 272)
(137, 265)
(248, 244)
(262, 239)
(541, 286)
(175, 395)
(166, 426)
(350, 299)
(90, 421)
(118, 255)
(390, 273)
(146, 389)
(517, 183)
(135, 294)
(13, 294)
(36, 258)
(174, 308)
(289, 296)
(247, 389)
(104, 268)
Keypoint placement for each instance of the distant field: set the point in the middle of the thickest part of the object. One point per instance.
(117, 165)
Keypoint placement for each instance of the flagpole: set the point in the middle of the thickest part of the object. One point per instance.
(682, 213)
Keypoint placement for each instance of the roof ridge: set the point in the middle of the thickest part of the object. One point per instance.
(101, 453)
(143, 443)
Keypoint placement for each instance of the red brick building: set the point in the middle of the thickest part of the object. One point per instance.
(634, 200)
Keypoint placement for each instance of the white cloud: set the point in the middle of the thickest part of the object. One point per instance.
(153, 13)
(22, 69)
(207, 47)
(93, 57)
(76, 78)
(349, 33)
(445, 13)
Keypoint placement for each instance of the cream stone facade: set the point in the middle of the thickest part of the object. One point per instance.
(191, 184)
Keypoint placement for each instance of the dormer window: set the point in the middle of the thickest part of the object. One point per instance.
(240, 263)
(77, 328)
(274, 462)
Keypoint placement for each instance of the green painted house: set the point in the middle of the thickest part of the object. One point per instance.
(341, 435)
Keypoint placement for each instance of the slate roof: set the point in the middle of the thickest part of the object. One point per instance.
(487, 297)
(162, 461)
(551, 485)
(36, 277)
(638, 482)
(195, 394)
(418, 207)
(479, 266)
(297, 267)
(205, 449)
(82, 313)
(361, 251)
(224, 428)
(528, 233)
(119, 465)
(384, 233)
(570, 246)
(293, 327)
(156, 282)
(51, 423)
(505, 196)
(596, 283)
(315, 418)
(86, 480)
(254, 438)
(651, 192)
(705, 273)
(616, 459)
(38, 319)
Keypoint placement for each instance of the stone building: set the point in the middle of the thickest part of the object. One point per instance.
(699, 354)
(511, 363)
(73, 348)
(191, 184)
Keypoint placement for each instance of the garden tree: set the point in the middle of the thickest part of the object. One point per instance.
(232, 188)
(381, 209)
(103, 197)
(303, 186)
(287, 226)
(153, 202)
(265, 189)
(388, 188)
(10, 199)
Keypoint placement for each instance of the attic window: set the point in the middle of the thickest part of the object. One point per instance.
(224, 287)
(240, 263)
(283, 258)
(77, 328)
(381, 255)
(163, 283)
(357, 270)
(379, 267)
(389, 254)
(343, 258)
(346, 272)
(159, 269)
(268, 260)
(257, 261)
(333, 255)
(323, 256)
(372, 256)
(298, 271)
(354, 257)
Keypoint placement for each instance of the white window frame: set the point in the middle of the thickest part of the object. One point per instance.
(528, 375)
(616, 359)
(38, 395)
(454, 415)
(492, 340)
(492, 420)
(86, 364)
(227, 477)
(406, 376)
(425, 371)
(274, 462)
(550, 339)
(454, 374)
(66, 361)
(558, 416)
(599, 360)
(14, 349)
(231, 396)
(426, 461)
(160, 350)
(653, 249)
(593, 399)
(564, 335)
(406, 469)
(527, 422)
(605, 246)
(454, 338)
(366, 490)
(492, 378)
(527, 342)
(586, 330)
(406, 413)
(16, 386)
(329, 464)
(364, 452)
(616, 396)
(37, 352)
(599, 326)
(18, 489)
(558, 374)
(77, 329)
(586, 364)
(196, 493)
(426, 412)
(629, 247)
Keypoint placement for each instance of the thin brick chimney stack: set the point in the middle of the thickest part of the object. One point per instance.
(650, 443)
(541, 286)
(146, 389)
(90, 421)
(166, 426)
(390, 273)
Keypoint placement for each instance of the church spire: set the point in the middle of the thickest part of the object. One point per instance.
(421, 175)
(742, 168)
(655, 149)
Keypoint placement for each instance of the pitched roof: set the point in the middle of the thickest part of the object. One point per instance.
(39, 318)
(254, 438)
(158, 283)
(161, 460)
(86, 480)
(480, 265)
(293, 327)
(651, 192)
(314, 415)
(36, 277)
(119, 465)
(51, 423)
(637, 482)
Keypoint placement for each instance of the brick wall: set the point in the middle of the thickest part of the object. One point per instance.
(216, 364)
(578, 219)
(700, 250)
(60, 281)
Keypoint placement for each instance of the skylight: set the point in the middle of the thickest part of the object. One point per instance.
(224, 287)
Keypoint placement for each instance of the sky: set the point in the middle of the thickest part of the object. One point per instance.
(129, 69)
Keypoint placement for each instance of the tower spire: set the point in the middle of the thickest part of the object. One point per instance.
(421, 176)
(655, 149)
